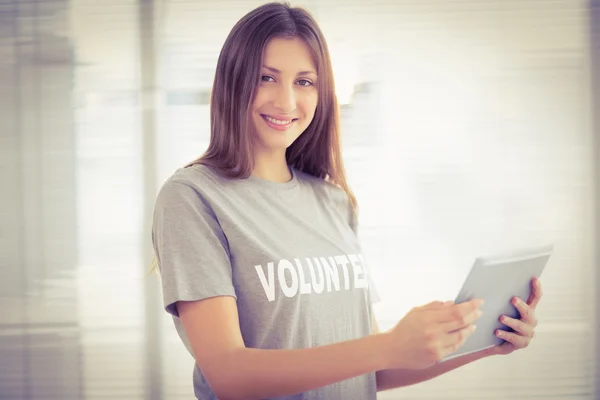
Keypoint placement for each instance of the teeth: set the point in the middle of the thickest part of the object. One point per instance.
(276, 121)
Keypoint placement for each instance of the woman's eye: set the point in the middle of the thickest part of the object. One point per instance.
(304, 82)
(266, 78)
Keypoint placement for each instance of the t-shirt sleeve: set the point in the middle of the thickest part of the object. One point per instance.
(190, 247)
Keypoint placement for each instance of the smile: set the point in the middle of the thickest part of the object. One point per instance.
(278, 123)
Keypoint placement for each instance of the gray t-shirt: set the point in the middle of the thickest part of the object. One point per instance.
(288, 252)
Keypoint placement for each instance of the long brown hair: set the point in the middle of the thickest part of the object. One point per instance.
(318, 150)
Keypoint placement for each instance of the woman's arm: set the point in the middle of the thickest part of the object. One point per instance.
(237, 372)
(395, 378)
(423, 337)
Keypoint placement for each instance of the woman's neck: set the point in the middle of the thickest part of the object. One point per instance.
(272, 167)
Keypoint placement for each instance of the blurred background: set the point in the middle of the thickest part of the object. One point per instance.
(469, 128)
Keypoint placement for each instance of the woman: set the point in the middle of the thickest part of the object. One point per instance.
(256, 240)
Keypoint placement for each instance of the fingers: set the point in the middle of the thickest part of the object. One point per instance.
(458, 315)
(519, 326)
(453, 341)
(447, 325)
(449, 342)
(526, 312)
(463, 318)
(518, 341)
(536, 293)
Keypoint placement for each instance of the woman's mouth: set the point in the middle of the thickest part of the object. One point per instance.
(278, 124)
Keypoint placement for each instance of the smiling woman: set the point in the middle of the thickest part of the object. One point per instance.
(275, 65)
(285, 101)
(256, 241)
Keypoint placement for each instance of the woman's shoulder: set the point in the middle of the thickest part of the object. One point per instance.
(323, 187)
(192, 182)
(196, 174)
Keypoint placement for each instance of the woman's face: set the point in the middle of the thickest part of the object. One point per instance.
(286, 97)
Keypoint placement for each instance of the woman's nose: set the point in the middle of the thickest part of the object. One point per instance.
(285, 100)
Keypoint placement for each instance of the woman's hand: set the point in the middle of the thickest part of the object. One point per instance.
(429, 333)
(524, 328)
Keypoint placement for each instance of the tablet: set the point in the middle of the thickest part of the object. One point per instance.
(496, 279)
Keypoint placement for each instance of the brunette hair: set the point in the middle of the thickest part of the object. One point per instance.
(317, 151)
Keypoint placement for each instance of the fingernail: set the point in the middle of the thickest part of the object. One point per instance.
(473, 327)
(499, 333)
